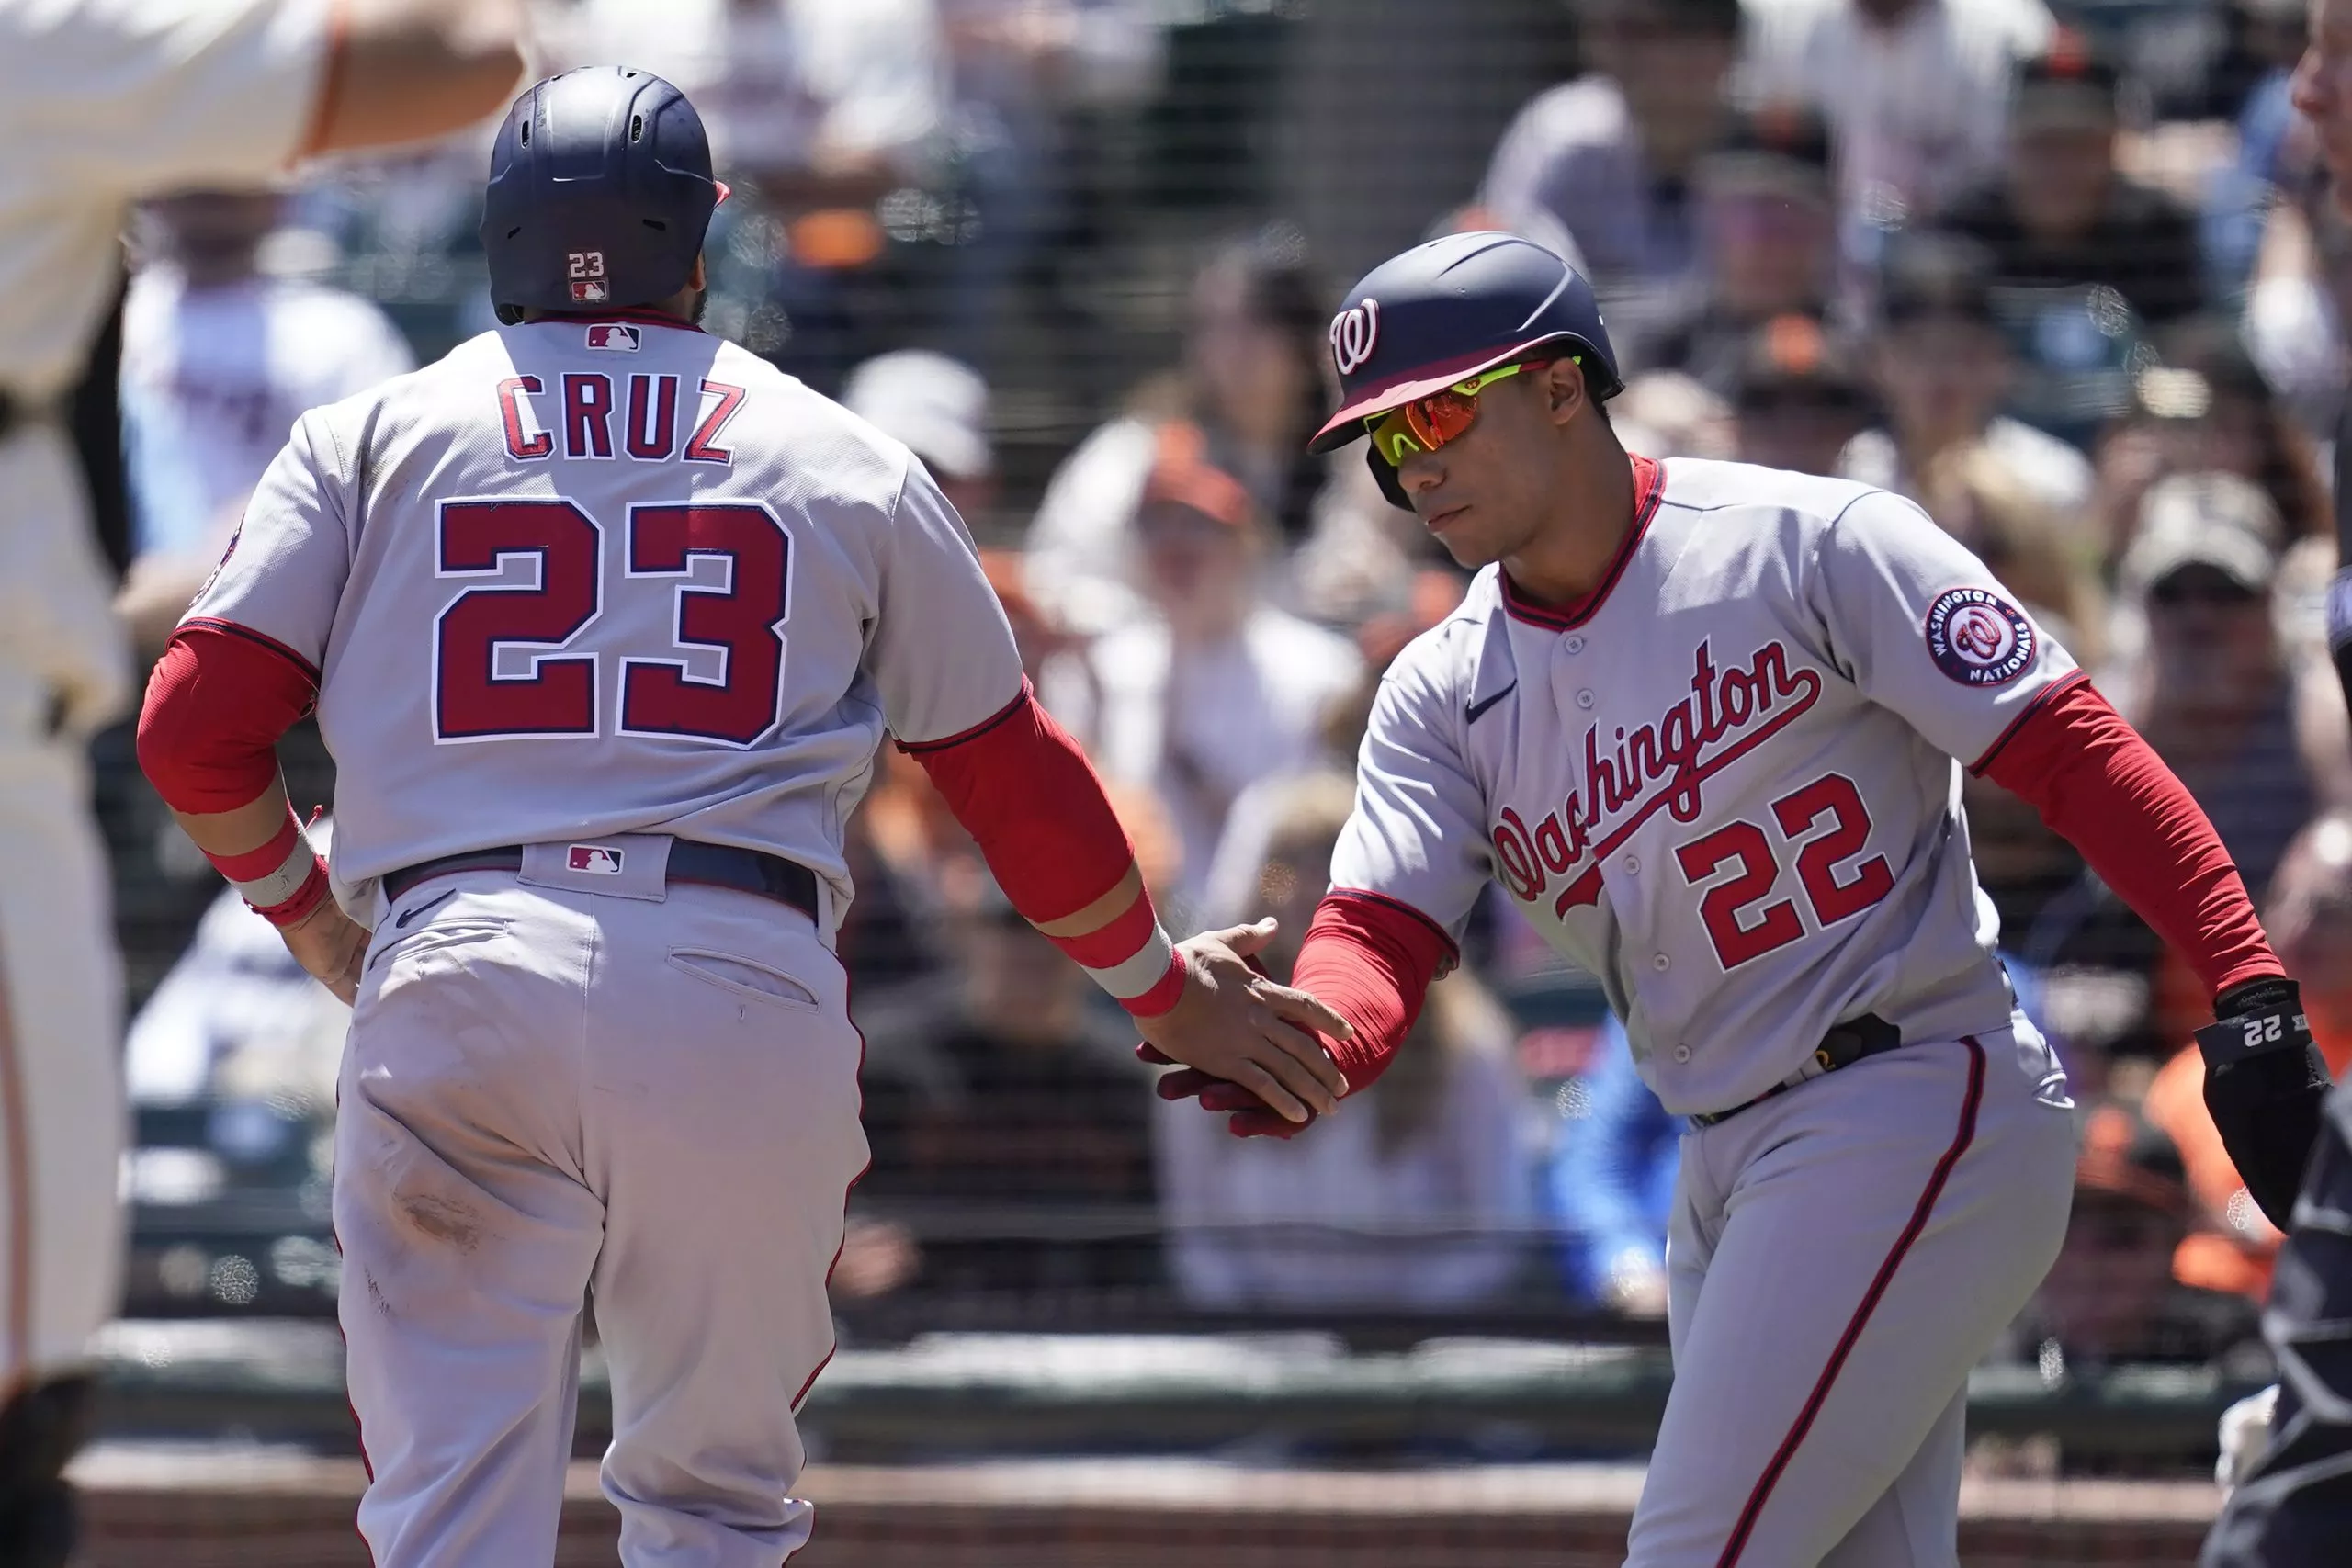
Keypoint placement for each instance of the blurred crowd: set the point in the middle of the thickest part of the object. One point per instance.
(2062, 273)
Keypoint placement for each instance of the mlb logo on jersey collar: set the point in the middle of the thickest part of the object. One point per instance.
(593, 858)
(618, 337)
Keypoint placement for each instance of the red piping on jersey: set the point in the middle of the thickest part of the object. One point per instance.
(210, 623)
(842, 1245)
(915, 748)
(2040, 700)
(1761, 1493)
(638, 314)
(1649, 486)
(20, 1199)
(2104, 791)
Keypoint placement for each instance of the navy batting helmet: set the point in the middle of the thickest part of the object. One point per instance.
(1446, 310)
(600, 193)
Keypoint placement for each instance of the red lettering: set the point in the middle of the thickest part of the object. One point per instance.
(525, 443)
(587, 414)
(652, 426)
(1514, 857)
(1552, 845)
(705, 447)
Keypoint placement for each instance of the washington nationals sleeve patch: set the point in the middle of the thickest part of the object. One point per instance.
(1978, 638)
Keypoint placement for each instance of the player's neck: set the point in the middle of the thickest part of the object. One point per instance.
(1567, 556)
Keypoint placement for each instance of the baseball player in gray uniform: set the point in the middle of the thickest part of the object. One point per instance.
(2293, 1509)
(603, 619)
(1705, 724)
(110, 102)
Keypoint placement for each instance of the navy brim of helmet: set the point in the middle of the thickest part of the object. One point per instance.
(1419, 382)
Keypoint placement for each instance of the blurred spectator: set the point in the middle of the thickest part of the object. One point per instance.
(2211, 689)
(2309, 917)
(2203, 408)
(1610, 1184)
(1413, 1196)
(219, 359)
(2208, 61)
(1916, 90)
(239, 1049)
(1600, 169)
(1000, 1101)
(939, 407)
(1797, 397)
(1215, 688)
(1252, 383)
(2045, 555)
(2060, 215)
(1942, 365)
(911, 860)
(1768, 237)
(2296, 308)
(2110, 1296)
(816, 111)
(1016, 68)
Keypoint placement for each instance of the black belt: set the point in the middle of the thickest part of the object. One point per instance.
(1841, 1047)
(707, 865)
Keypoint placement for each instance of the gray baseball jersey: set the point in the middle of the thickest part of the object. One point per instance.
(1726, 784)
(589, 578)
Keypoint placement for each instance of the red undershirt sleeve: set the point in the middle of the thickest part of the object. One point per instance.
(217, 702)
(1026, 792)
(2104, 790)
(1370, 960)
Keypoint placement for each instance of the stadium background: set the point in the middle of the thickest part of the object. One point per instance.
(2067, 276)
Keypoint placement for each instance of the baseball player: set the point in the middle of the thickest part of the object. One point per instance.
(1703, 722)
(603, 619)
(2294, 1508)
(108, 102)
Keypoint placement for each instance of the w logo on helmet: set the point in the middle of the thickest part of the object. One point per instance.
(1354, 332)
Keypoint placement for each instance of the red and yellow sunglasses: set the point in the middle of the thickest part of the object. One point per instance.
(1428, 422)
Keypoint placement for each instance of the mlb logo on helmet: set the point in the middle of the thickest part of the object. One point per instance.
(594, 859)
(616, 336)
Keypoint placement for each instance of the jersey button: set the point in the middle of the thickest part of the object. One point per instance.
(1633, 864)
(1683, 1053)
(1575, 645)
(1661, 963)
(1585, 699)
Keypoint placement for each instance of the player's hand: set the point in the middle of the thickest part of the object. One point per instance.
(332, 946)
(1245, 1115)
(1232, 1023)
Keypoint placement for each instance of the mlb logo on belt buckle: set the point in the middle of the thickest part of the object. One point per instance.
(614, 336)
(593, 858)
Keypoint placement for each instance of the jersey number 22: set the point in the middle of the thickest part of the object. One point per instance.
(742, 618)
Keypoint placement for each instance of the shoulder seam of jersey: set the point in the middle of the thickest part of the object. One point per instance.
(263, 639)
(2040, 700)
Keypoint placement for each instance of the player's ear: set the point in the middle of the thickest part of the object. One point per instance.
(701, 279)
(1562, 388)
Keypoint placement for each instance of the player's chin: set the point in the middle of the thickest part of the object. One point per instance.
(1457, 529)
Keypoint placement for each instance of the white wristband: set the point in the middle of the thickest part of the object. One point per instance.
(269, 892)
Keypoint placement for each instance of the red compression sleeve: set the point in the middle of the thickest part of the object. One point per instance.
(1026, 793)
(217, 702)
(1023, 790)
(2104, 790)
(1371, 960)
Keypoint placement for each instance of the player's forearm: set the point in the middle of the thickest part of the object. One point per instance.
(1024, 790)
(1370, 960)
(2104, 789)
(208, 734)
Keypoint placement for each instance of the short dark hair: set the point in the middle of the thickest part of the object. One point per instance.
(1937, 275)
